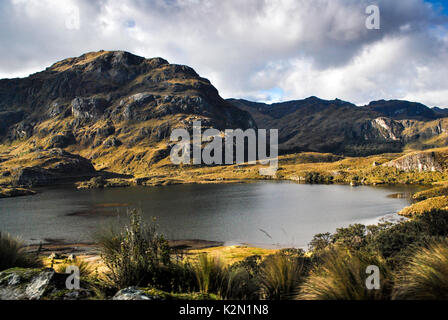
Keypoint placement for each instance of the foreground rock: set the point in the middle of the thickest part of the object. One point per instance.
(37, 284)
(133, 293)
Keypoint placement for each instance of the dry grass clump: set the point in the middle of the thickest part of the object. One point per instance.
(12, 254)
(426, 275)
(341, 275)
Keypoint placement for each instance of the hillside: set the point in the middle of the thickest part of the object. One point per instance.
(115, 109)
(341, 127)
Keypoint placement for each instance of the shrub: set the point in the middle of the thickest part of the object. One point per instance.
(135, 255)
(320, 241)
(12, 254)
(341, 275)
(397, 242)
(426, 276)
(280, 275)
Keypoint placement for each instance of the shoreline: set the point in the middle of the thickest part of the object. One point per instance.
(91, 248)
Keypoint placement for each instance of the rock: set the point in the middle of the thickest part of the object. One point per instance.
(22, 130)
(90, 108)
(62, 140)
(37, 284)
(112, 142)
(133, 293)
(54, 165)
(8, 118)
(420, 161)
(106, 131)
(32, 176)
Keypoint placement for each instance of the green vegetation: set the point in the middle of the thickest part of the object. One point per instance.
(12, 254)
(137, 255)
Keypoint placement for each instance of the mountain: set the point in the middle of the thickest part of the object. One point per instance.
(402, 110)
(341, 127)
(111, 107)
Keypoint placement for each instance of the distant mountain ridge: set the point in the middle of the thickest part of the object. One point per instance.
(337, 126)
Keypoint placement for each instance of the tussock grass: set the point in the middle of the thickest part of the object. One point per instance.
(341, 275)
(426, 275)
(85, 268)
(12, 254)
(280, 276)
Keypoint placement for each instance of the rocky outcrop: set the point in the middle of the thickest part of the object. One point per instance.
(420, 161)
(37, 284)
(51, 166)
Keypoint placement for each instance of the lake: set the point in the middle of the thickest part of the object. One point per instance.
(265, 214)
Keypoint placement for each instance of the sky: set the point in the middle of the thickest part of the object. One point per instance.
(261, 50)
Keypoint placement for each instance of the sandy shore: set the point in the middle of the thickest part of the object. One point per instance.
(92, 249)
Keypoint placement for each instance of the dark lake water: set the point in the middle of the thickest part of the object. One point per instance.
(262, 214)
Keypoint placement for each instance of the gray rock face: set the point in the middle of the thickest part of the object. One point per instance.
(39, 284)
(423, 161)
(36, 284)
(133, 293)
(91, 108)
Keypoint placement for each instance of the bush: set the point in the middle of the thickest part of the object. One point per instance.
(136, 255)
(426, 276)
(12, 254)
(341, 275)
(397, 242)
(280, 275)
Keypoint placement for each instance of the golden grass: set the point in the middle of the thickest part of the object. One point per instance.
(230, 254)
(425, 206)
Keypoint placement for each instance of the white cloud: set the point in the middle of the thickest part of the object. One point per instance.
(253, 49)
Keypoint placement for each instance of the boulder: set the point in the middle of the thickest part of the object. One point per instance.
(37, 284)
(90, 108)
(62, 140)
(133, 293)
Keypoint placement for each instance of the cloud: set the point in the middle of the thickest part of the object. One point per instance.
(259, 49)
